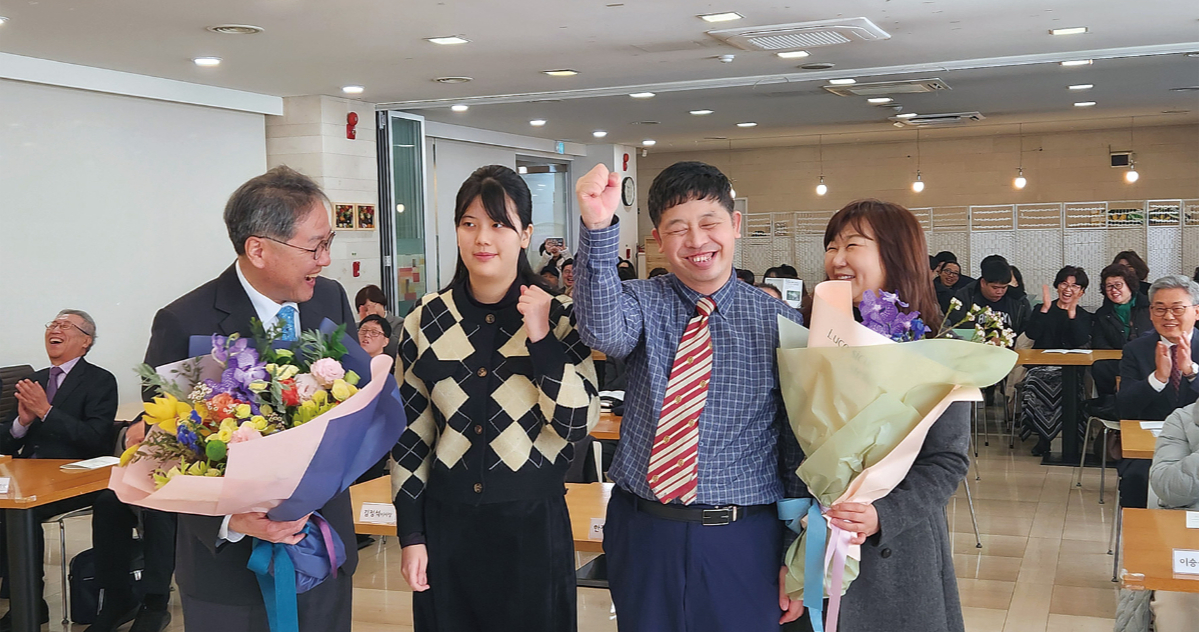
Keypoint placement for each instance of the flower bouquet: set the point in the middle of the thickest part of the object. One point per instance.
(861, 405)
(273, 427)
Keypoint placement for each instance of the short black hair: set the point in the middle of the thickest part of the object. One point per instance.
(657, 272)
(1080, 276)
(383, 324)
(944, 256)
(685, 181)
(372, 293)
(746, 275)
(995, 269)
(933, 263)
(787, 271)
(550, 270)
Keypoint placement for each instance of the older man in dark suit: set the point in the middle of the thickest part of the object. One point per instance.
(279, 225)
(1159, 371)
(63, 412)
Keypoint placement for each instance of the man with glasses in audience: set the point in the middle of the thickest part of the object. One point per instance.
(1158, 371)
(66, 411)
(279, 225)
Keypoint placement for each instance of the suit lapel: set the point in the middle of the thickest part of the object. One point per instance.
(231, 299)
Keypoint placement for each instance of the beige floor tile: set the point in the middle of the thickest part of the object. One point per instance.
(1039, 565)
(1070, 623)
(1085, 601)
(1049, 520)
(1085, 570)
(985, 593)
(998, 545)
(1029, 611)
(986, 567)
(984, 619)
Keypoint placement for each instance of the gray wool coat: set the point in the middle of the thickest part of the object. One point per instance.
(907, 580)
(1174, 475)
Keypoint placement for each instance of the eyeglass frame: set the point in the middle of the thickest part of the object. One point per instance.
(371, 333)
(326, 244)
(1071, 286)
(1176, 310)
(1111, 287)
(56, 324)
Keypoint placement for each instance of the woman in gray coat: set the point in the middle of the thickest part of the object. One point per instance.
(1174, 477)
(906, 579)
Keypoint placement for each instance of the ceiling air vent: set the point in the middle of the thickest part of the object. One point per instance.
(800, 35)
(939, 120)
(884, 88)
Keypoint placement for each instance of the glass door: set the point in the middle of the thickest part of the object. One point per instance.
(550, 185)
(401, 142)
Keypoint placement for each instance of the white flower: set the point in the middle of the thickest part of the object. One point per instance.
(954, 304)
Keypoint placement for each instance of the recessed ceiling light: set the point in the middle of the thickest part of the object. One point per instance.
(460, 107)
(1082, 86)
(207, 62)
(747, 124)
(842, 82)
(537, 122)
(701, 112)
(646, 122)
(352, 89)
(1076, 30)
(793, 54)
(1193, 54)
(727, 16)
(879, 100)
(236, 29)
(1084, 104)
(564, 72)
(907, 115)
(453, 79)
(448, 40)
(1077, 62)
(1185, 89)
(599, 133)
(642, 95)
(716, 137)
(649, 142)
(3, 19)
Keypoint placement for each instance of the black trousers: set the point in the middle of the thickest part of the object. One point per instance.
(500, 567)
(113, 523)
(39, 544)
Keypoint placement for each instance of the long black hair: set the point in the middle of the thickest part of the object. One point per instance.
(495, 186)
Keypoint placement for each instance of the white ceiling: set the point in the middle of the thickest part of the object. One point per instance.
(997, 56)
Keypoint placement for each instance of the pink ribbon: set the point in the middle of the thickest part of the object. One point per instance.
(838, 546)
(327, 536)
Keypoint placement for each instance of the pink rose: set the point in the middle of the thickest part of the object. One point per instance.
(245, 432)
(326, 371)
(306, 385)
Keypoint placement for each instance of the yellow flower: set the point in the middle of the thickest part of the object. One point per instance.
(127, 455)
(308, 410)
(257, 422)
(164, 411)
(342, 391)
(199, 468)
(258, 386)
(287, 371)
(271, 368)
(242, 411)
(266, 409)
(284, 353)
(224, 435)
(320, 397)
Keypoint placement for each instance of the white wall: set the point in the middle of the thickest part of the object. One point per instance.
(111, 204)
(613, 157)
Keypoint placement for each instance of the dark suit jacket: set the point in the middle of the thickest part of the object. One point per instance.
(80, 422)
(1136, 399)
(204, 570)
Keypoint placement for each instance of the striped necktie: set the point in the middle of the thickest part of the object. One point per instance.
(673, 463)
(287, 321)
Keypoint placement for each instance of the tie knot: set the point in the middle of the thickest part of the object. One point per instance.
(705, 306)
(55, 371)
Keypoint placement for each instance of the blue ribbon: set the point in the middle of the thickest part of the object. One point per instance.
(792, 511)
(278, 588)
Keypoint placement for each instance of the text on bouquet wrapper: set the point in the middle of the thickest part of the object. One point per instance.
(377, 513)
(1186, 562)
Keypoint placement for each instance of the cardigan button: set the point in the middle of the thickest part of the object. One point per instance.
(490, 318)
(885, 553)
(482, 372)
(478, 488)
(478, 430)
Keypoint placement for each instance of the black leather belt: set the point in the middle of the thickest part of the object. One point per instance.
(706, 515)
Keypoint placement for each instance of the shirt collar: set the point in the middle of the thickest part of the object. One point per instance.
(68, 365)
(722, 297)
(1190, 336)
(266, 308)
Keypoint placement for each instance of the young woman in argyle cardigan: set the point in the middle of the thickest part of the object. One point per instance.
(498, 387)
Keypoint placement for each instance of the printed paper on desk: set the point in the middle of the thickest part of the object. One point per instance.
(1079, 351)
(1152, 425)
(90, 464)
(377, 513)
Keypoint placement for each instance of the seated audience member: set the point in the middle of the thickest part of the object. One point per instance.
(625, 270)
(1060, 324)
(1124, 316)
(66, 411)
(1017, 290)
(786, 271)
(934, 267)
(1131, 259)
(371, 300)
(657, 272)
(1175, 479)
(551, 276)
(948, 283)
(992, 290)
(552, 253)
(568, 277)
(746, 275)
(769, 289)
(373, 333)
(945, 256)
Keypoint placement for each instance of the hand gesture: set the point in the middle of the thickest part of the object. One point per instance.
(1161, 363)
(414, 565)
(598, 194)
(1182, 355)
(24, 417)
(861, 519)
(256, 524)
(33, 396)
(534, 305)
(1046, 300)
(135, 434)
(792, 608)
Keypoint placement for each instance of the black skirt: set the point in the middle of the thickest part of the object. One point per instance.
(498, 567)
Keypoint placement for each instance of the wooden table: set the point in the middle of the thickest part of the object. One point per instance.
(1136, 442)
(607, 428)
(1149, 537)
(1072, 365)
(33, 485)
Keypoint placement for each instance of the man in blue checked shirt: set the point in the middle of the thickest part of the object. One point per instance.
(692, 537)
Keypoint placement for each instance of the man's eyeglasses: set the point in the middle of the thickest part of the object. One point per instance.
(1072, 287)
(369, 333)
(1176, 310)
(316, 252)
(950, 273)
(64, 326)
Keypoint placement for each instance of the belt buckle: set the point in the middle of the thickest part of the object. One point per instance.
(719, 516)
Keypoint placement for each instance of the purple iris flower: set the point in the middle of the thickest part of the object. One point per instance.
(222, 350)
(880, 313)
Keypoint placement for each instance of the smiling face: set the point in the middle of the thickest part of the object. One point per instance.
(67, 338)
(1069, 291)
(287, 271)
(568, 275)
(853, 256)
(1116, 290)
(489, 249)
(699, 237)
(1172, 326)
(950, 273)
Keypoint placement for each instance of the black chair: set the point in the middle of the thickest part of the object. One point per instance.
(9, 376)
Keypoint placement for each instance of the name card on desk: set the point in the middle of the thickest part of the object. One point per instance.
(1152, 425)
(4, 485)
(377, 513)
(1193, 519)
(1186, 562)
(596, 532)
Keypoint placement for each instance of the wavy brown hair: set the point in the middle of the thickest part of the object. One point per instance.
(902, 248)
